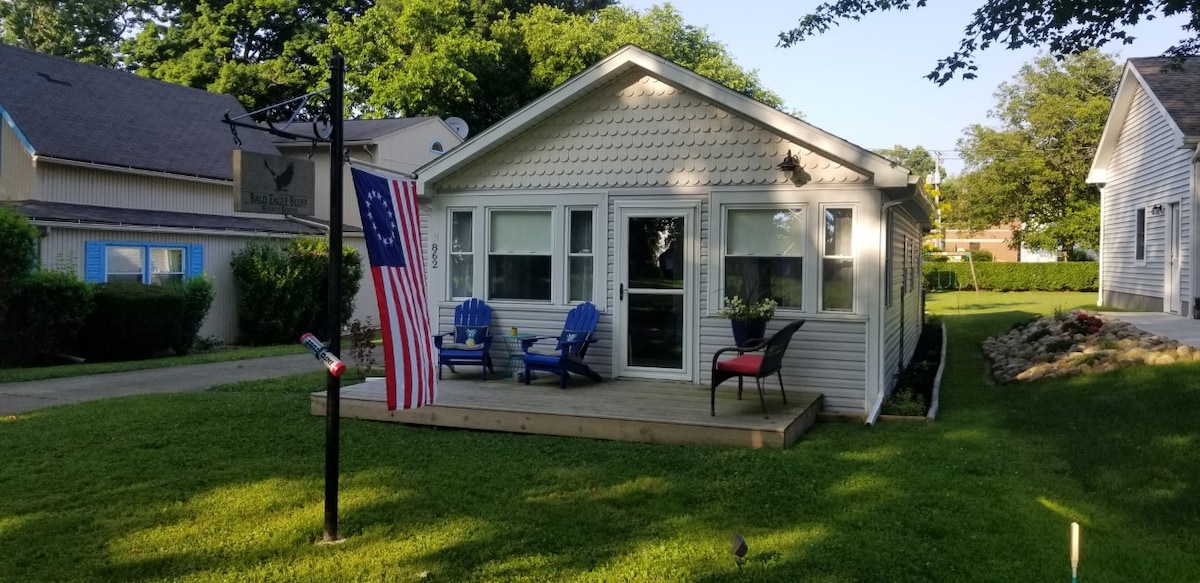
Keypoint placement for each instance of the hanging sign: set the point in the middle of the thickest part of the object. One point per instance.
(264, 183)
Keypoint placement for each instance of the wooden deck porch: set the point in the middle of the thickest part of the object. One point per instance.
(624, 410)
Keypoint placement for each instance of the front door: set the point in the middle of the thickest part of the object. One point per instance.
(1171, 275)
(655, 292)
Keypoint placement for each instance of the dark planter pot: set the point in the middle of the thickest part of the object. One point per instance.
(744, 331)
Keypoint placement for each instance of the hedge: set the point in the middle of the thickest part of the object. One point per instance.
(133, 321)
(1060, 276)
(44, 314)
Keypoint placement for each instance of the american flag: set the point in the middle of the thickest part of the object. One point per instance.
(393, 234)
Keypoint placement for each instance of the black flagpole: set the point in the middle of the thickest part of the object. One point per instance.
(334, 305)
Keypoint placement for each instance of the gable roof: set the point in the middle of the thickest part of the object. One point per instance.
(1175, 93)
(360, 130)
(88, 215)
(884, 173)
(66, 110)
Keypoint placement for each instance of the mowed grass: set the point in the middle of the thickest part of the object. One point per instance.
(227, 486)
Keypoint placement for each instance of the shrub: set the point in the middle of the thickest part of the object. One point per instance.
(982, 256)
(904, 402)
(43, 318)
(362, 346)
(132, 321)
(18, 250)
(197, 299)
(282, 292)
(1061, 276)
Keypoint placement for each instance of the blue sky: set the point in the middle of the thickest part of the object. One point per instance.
(865, 81)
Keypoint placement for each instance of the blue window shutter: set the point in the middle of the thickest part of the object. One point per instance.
(195, 262)
(93, 262)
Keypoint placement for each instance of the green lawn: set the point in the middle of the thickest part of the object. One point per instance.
(227, 486)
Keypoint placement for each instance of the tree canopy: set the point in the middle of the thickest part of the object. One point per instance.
(918, 159)
(1063, 27)
(1030, 171)
(84, 30)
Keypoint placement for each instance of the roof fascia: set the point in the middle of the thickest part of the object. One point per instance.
(861, 160)
(16, 130)
(1131, 79)
(129, 170)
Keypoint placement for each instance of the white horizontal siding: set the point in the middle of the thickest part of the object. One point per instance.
(1147, 168)
(903, 319)
(16, 167)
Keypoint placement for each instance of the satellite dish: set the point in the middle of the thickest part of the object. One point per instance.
(458, 125)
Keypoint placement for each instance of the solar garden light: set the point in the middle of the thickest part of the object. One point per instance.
(739, 549)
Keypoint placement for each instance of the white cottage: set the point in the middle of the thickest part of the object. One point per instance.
(1146, 168)
(654, 192)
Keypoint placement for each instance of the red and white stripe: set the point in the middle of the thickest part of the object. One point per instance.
(404, 311)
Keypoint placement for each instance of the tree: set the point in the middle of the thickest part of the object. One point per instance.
(1064, 27)
(1031, 170)
(918, 159)
(83, 30)
(481, 62)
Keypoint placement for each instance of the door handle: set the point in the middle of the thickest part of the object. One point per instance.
(621, 293)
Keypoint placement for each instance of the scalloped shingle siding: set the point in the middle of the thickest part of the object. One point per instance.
(641, 132)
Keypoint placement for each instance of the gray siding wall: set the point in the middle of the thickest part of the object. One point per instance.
(1147, 168)
(16, 167)
(70, 184)
(903, 319)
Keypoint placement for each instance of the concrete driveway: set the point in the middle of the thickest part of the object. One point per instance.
(30, 395)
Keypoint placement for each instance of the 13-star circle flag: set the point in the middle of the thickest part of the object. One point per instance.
(393, 233)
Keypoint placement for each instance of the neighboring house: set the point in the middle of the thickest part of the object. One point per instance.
(400, 145)
(653, 192)
(129, 178)
(994, 239)
(1146, 169)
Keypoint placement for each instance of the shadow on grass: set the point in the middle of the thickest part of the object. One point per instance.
(228, 486)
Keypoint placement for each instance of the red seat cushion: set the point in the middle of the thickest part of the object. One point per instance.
(746, 364)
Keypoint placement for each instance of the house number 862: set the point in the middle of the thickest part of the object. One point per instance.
(433, 256)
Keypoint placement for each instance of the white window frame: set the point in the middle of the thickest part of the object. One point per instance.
(723, 232)
(566, 280)
(452, 253)
(555, 253)
(147, 272)
(855, 256)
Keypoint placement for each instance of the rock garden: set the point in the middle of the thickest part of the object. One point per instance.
(1077, 342)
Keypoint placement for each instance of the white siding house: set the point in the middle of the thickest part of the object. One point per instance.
(654, 192)
(1145, 166)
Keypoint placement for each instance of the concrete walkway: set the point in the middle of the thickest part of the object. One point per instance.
(1184, 330)
(30, 395)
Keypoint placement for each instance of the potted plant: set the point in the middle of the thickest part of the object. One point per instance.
(748, 319)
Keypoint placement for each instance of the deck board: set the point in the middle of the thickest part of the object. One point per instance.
(626, 410)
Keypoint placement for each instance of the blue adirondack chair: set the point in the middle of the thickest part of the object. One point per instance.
(471, 341)
(570, 347)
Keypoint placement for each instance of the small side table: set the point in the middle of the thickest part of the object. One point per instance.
(514, 354)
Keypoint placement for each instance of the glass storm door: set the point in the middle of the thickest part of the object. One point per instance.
(655, 292)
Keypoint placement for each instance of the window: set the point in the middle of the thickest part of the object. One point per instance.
(837, 265)
(889, 262)
(1139, 252)
(764, 254)
(974, 246)
(519, 255)
(436, 147)
(153, 264)
(462, 257)
(581, 257)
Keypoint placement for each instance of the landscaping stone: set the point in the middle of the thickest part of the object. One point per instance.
(1052, 347)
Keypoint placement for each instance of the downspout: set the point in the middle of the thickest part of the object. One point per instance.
(883, 394)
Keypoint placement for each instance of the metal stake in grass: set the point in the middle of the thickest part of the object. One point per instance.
(1074, 551)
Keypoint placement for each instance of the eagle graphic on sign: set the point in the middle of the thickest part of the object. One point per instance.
(282, 179)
